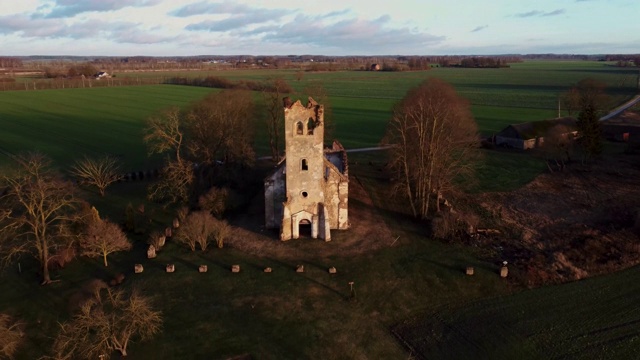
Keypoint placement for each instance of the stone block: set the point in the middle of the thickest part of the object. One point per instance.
(203, 268)
(300, 268)
(469, 270)
(268, 269)
(332, 270)
(504, 272)
(151, 252)
(138, 268)
(235, 268)
(171, 268)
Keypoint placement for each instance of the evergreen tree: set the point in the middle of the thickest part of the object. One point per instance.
(590, 131)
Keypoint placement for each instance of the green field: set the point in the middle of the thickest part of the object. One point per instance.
(418, 283)
(67, 123)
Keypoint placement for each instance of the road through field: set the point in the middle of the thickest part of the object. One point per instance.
(620, 109)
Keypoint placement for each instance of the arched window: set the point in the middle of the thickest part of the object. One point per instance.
(299, 128)
(305, 165)
(311, 124)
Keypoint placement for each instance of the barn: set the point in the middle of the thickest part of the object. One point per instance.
(623, 127)
(530, 135)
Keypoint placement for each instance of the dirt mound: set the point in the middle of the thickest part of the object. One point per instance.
(572, 224)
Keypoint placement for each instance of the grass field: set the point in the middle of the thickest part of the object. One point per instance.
(285, 315)
(589, 319)
(65, 124)
(90, 121)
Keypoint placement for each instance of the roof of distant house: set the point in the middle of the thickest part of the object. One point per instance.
(533, 129)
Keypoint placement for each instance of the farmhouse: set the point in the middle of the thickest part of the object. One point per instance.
(530, 135)
(102, 75)
(310, 186)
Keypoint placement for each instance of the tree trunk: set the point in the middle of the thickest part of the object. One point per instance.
(105, 259)
(46, 278)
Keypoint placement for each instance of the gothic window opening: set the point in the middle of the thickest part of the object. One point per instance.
(311, 124)
(305, 165)
(299, 128)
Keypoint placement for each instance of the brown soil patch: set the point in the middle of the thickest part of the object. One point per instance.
(573, 224)
(368, 232)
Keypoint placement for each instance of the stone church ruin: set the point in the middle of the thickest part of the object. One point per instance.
(310, 186)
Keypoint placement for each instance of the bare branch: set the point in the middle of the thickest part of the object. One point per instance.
(107, 323)
(100, 172)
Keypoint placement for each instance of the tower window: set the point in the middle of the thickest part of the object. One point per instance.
(311, 124)
(299, 128)
(304, 194)
(305, 165)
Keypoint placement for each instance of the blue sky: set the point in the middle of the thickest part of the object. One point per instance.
(345, 27)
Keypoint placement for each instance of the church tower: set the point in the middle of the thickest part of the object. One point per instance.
(304, 171)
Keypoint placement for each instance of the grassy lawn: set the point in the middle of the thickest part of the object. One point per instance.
(282, 315)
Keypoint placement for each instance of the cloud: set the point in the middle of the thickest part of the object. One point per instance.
(354, 34)
(554, 12)
(538, 13)
(205, 7)
(121, 32)
(480, 28)
(237, 21)
(70, 8)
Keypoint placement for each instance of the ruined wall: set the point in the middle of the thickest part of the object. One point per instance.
(336, 197)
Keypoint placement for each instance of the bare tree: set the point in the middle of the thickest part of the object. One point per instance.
(174, 185)
(221, 232)
(220, 128)
(435, 140)
(102, 238)
(571, 100)
(214, 201)
(197, 228)
(557, 146)
(11, 336)
(272, 94)
(107, 323)
(100, 172)
(38, 207)
(165, 133)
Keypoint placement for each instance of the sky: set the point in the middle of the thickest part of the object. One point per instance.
(327, 27)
